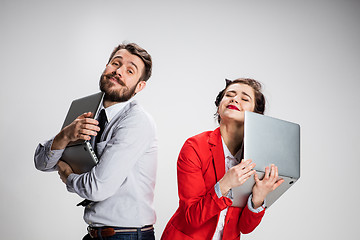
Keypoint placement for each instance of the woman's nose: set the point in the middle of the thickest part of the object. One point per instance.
(234, 100)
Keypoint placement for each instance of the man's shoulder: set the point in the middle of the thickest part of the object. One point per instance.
(133, 111)
(135, 108)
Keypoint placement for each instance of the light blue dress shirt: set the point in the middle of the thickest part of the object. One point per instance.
(122, 184)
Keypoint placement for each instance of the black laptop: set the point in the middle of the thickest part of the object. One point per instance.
(80, 155)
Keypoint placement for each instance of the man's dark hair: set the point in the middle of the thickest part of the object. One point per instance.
(259, 97)
(134, 49)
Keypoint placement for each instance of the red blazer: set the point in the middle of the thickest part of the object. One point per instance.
(201, 164)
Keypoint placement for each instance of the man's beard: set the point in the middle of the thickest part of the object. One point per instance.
(117, 95)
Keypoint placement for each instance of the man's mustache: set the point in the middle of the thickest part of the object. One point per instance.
(111, 75)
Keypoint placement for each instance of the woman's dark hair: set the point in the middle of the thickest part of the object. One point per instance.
(259, 97)
(135, 49)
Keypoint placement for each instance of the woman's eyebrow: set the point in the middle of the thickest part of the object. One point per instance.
(231, 91)
(246, 94)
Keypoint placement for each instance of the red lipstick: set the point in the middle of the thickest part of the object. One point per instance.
(233, 107)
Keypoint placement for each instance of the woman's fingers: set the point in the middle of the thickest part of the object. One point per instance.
(244, 163)
(246, 176)
(256, 177)
(267, 173)
(278, 183)
(273, 171)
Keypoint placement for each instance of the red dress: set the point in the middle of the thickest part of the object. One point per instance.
(201, 164)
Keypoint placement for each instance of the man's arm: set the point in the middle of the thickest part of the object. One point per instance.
(47, 154)
(46, 159)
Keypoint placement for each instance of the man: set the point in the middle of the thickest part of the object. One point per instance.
(119, 190)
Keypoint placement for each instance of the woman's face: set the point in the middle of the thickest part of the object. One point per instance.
(237, 99)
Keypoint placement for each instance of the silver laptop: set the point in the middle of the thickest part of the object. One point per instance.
(80, 155)
(269, 140)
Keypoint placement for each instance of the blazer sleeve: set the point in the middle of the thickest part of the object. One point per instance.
(249, 220)
(198, 203)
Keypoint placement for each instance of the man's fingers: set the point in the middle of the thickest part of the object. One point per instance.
(90, 121)
(84, 136)
(90, 127)
(86, 131)
(86, 115)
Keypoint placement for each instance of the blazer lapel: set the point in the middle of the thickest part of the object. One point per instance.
(217, 151)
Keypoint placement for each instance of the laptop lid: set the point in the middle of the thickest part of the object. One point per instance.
(82, 105)
(80, 155)
(267, 141)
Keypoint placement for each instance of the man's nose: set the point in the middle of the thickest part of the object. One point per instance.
(119, 71)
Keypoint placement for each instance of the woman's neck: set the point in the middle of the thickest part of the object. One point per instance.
(233, 135)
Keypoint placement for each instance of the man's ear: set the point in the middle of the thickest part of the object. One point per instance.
(140, 86)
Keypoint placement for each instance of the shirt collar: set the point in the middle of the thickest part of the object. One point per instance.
(112, 110)
(227, 152)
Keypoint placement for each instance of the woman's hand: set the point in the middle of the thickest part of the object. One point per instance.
(263, 187)
(236, 176)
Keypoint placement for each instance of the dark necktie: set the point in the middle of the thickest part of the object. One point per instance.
(102, 119)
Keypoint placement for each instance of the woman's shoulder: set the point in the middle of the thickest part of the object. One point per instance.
(204, 138)
(197, 149)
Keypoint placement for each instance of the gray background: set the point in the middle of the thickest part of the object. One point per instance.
(306, 53)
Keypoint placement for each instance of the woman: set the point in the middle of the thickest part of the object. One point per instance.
(209, 165)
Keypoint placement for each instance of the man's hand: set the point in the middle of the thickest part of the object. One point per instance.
(263, 187)
(64, 170)
(83, 127)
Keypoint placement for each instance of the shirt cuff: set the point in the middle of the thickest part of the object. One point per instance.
(218, 191)
(49, 157)
(257, 210)
(53, 155)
